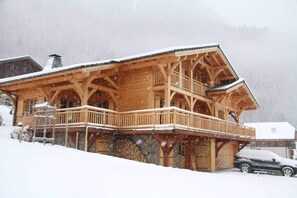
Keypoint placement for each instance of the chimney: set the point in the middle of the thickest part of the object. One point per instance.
(54, 61)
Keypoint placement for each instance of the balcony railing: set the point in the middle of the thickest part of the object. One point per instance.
(198, 87)
(149, 119)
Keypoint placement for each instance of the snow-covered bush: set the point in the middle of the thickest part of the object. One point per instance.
(22, 136)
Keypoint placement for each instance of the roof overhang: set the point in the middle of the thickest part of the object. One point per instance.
(232, 87)
(174, 51)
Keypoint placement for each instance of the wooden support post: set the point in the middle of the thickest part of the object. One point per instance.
(212, 155)
(188, 155)
(167, 92)
(180, 84)
(76, 141)
(86, 138)
(243, 145)
(167, 145)
(66, 136)
(14, 120)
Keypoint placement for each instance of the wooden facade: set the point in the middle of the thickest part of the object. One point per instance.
(177, 101)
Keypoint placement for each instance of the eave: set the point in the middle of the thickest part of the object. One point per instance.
(229, 88)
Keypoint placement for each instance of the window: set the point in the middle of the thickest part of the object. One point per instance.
(28, 106)
(103, 104)
(67, 104)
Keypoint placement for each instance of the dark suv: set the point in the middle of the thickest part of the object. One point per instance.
(249, 160)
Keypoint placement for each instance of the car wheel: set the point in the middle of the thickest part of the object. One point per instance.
(245, 168)
(288, 171)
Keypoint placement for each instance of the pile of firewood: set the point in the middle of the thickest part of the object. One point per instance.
(128, 150)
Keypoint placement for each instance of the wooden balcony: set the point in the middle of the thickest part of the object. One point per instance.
(150, 120)
(185, 84)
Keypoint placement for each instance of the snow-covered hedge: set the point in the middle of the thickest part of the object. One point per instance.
(22, 136)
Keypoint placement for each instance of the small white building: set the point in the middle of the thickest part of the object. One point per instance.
(278, 137)
(295, 151)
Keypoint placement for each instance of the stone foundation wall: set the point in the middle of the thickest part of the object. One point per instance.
(177, 156)
(149, 147)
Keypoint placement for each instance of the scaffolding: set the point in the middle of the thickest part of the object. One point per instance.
(44, 121)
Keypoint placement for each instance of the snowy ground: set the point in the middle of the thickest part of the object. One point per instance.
(5, 113)
(36, 170)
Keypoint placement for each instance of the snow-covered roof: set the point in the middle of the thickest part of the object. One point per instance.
(17, 58)
(239, 81)
(110, 61)
(273, 130)
(227, 86)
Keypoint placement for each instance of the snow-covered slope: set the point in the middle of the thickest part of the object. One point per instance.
(5, 113)
(37, 170)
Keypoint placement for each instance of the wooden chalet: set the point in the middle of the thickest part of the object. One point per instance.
(170, 107)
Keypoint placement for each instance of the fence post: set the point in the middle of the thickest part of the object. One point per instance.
(86, 115)
(104, 120)
(174, 118)
(135, 120)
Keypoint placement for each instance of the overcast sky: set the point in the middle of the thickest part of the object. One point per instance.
(279, 15)
(258, 37)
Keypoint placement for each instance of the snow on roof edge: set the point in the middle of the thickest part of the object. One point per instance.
(252, 93)
(14, 58)
(110, 61)
(228, 61)
(228, 86)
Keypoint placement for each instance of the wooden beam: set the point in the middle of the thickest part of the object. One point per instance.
(216, 73)
(112, 95)
(45, 93)
(215, 58)
(172, 95)
(161, 68)
(108, 79)
(102, 88)
(56, 93)
(174, 65)
(212, 155)
(86, 83)
(10, 96)
(147, 63)
(243, 145)
(188, 101)
(91, 92)
(219, 147)
(167, 144)
(196, 61)
(78, 88)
